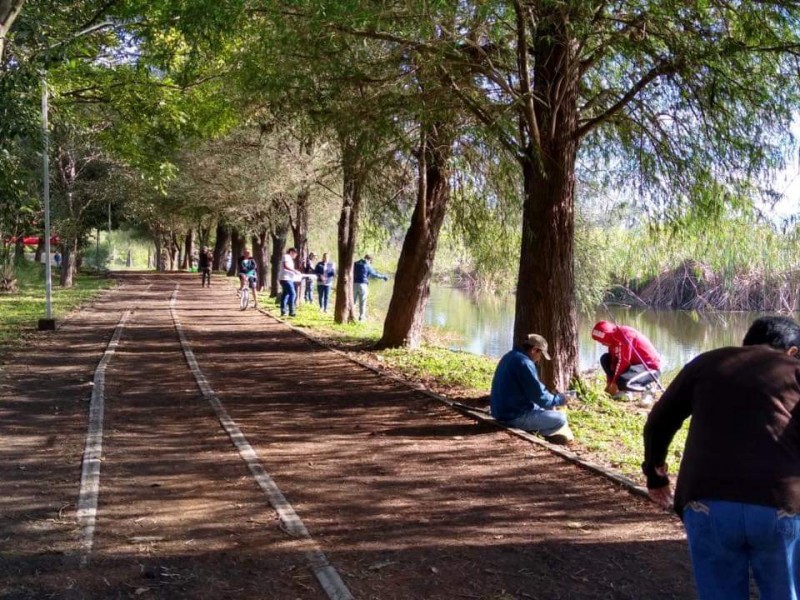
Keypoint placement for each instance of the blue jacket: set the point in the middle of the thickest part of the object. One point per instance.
(516, 388)
(325, 273)
(247, 266)
(363, 271)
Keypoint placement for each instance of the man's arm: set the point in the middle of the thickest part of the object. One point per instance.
(534, 388)
(666, 417)
(372, 273)
(624, 356)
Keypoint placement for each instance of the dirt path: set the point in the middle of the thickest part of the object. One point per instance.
(406, 499)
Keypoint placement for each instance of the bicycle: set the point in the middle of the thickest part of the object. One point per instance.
(244, 299)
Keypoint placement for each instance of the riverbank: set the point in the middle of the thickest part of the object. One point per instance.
(20, 310)
(607, 431)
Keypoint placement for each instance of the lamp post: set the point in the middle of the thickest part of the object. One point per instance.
(48, 323)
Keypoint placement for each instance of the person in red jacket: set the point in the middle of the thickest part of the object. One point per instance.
(631, 363)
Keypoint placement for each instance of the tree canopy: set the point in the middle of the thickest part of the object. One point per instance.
(486, 120)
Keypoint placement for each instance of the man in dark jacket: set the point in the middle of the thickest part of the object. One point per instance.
(204, 266)
(738, 488)
(362, 273)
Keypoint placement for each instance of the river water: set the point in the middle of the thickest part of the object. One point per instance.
(483, 324)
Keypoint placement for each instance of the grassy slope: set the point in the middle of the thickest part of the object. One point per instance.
(20, 312)
(608, 430)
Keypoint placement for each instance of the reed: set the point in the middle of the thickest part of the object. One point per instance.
(731, 264)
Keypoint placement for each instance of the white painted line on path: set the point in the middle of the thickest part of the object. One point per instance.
(92, 453)
(326, 574)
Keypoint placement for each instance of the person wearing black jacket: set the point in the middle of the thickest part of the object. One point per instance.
(738, 487)
(204, 266)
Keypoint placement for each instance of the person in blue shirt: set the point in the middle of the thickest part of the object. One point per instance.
(520, 400)
(248, 274)
(362, 273)
(325, 271)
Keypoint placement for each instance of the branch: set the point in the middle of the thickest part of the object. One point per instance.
(486, 119)
(523, 67)
(664, 68)
(326, 187)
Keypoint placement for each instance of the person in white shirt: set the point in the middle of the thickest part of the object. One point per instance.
(287, 276)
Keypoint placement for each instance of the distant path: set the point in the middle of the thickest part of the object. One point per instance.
(407, 499)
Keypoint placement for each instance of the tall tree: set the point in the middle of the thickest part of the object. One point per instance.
(404, 319)
(562, 86)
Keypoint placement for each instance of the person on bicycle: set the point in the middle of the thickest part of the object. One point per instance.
(248, 274)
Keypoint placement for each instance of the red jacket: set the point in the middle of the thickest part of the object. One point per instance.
(627, 347)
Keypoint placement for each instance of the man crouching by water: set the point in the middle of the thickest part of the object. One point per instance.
(519, 399)
(738, 488)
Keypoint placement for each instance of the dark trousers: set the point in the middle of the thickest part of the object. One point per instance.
(308, 296)
(635, 379)
(205, 275)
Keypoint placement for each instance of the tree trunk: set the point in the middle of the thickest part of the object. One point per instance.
(19, 249)
(221, 245)
(9, 11)
(404, 320)
(188, 250)
(352, 184)
(278, 236)
(545, 302)
(237, 246)
(203, 233)
(175, 253)
(39, 250)
(300, 226)
(259, 243)
(160, 259)
(69, 261)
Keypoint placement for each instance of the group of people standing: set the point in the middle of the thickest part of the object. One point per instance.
(291, 278)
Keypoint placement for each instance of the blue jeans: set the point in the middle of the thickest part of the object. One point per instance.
(287, 298)
(361, 292)
(726, 539)
(308, 297)
(323, 293)
(540, 421)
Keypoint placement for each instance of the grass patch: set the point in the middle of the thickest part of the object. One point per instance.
(609, 430)
(21, 311)
(612, 429)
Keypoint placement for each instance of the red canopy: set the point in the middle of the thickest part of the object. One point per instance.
(34, 240)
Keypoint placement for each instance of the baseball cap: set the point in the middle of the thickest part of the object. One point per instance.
(537, 341)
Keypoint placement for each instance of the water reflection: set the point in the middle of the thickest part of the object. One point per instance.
(484, 323)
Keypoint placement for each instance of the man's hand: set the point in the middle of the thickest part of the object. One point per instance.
(566, 397)
(663, 495)
(612, 389)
